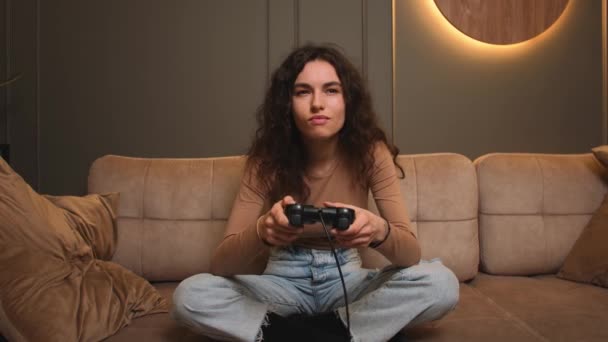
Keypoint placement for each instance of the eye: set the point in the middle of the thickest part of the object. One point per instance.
(301, 92)
(333, 90)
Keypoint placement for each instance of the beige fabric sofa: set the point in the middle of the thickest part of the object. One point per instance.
(503, 224)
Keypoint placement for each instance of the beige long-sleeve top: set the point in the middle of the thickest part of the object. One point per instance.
(243, 252)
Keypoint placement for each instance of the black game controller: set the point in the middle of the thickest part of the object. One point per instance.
(301, 214)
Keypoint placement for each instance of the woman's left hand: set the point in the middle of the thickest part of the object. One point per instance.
(367, 228)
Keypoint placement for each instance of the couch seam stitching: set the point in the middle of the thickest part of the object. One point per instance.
(417, 195)
(226, 219)
(174, 219)
(535, 214)
(511, 317)
(143, 218)
(211, 216)
(542, 210)
(449, 220)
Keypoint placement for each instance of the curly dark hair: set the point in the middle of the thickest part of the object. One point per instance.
(278, 153)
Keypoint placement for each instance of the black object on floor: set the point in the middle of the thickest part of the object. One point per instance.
(323, 327)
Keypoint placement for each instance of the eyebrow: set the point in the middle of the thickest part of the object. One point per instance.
(325, 85)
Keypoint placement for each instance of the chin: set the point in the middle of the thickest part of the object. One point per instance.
(321, 137)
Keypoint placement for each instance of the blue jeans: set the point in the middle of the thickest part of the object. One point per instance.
(306, 281)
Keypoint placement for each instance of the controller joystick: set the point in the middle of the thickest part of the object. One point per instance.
(301, 214)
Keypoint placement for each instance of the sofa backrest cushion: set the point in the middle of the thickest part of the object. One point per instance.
(532, 209)
(440, 192)
(173, 212)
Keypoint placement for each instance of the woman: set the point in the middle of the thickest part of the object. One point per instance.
(318, 143)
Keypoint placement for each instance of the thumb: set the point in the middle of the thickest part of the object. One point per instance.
(288, 200)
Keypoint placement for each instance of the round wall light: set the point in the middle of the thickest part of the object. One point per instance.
(502, 21)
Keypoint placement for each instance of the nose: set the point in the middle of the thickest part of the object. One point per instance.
(316, 104)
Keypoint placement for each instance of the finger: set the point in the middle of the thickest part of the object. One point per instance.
(354, 238)
(280, 239)
(278, 221)
(339, 205)
(282, 229)
(357, 211)
(362, 221)
(276, 242)
(354, 229)
(283, 219)
(355, 232)
(273, 237)
(288, 200)
(278, 215)
(283, 237)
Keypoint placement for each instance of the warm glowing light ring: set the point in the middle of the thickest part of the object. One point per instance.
(501, 22)
(444, 28)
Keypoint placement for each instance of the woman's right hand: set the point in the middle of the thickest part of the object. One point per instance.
(273, 227)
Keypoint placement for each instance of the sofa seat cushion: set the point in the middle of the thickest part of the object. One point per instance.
(157, 327)
(476, 318)
(548, 307)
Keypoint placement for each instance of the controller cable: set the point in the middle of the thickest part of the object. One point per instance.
(333, 251)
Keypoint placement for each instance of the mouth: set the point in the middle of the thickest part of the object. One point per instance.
(318, 119)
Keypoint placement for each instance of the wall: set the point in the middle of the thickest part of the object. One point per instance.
(20, 113)
(163, 79)
(456, 94)
(145, 78)
(3, 69)
(605, 68)
(183, 79)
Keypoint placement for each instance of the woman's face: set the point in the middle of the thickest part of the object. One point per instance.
(318, 102)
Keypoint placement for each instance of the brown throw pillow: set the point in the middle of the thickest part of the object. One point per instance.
(587, 261)
(601, 153)
(52, 288)
(93, 218)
